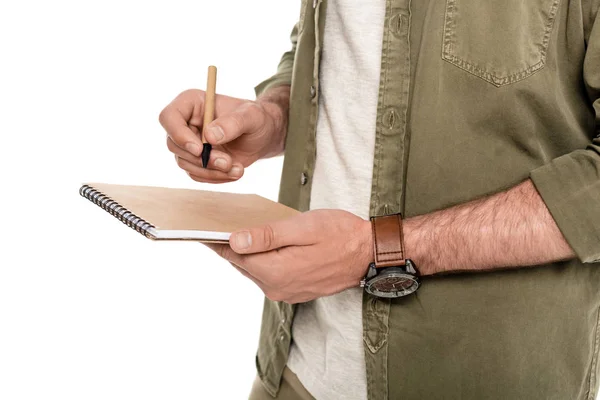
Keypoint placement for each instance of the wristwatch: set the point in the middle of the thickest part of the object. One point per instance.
(391, 275)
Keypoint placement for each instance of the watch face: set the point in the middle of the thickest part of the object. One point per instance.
(393, 282)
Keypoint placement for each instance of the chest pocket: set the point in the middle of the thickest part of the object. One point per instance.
(501, 42)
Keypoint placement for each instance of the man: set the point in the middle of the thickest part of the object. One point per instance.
(479, 123)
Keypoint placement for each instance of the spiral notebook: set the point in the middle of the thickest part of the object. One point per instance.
(184, 214)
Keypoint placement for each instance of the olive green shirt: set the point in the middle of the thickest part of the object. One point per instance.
(474, 97)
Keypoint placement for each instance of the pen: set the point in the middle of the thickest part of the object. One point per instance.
(209, 112)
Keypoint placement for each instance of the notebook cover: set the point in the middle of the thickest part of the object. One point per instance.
(197, 210)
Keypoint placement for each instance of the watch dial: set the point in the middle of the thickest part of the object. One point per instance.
(392, 284)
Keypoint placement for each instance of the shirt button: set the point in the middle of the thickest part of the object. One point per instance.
(281, 338)
(282, 321)
(313, 92)
(303, 179)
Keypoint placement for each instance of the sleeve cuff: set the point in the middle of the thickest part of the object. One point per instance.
(273, 82)
(570, 187)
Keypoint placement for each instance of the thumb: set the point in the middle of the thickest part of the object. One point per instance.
(256, 240)
(295, 231)
(247, 118)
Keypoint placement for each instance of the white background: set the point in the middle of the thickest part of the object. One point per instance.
(90, 309)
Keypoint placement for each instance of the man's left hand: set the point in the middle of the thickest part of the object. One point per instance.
(314, 254)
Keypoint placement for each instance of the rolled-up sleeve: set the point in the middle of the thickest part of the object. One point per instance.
(570, 184)
(284, 70)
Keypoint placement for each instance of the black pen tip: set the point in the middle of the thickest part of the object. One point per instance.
(206, 154)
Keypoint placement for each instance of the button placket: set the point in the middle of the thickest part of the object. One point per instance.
(310, 158)
(388, 172)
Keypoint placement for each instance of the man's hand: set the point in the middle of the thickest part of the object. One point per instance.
(243, 131)
(315, 254)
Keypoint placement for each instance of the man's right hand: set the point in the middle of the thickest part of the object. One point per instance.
(243, 132)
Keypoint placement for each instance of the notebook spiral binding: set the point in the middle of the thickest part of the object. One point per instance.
(116, 210)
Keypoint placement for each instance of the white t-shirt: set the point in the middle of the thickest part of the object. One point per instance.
(327, 350)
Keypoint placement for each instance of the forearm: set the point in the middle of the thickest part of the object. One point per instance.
(508, 229)
(276, 102)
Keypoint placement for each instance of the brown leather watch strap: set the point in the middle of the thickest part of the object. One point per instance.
(388, 241)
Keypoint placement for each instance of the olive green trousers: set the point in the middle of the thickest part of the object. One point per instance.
(291, 389)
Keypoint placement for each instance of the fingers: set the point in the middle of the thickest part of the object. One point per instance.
(246, 274)
(224, 251)
(297, 231)
(249, 117)
(255, 267)
(220, 166)
(218, 160)
(208, 174)
(187, 108)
